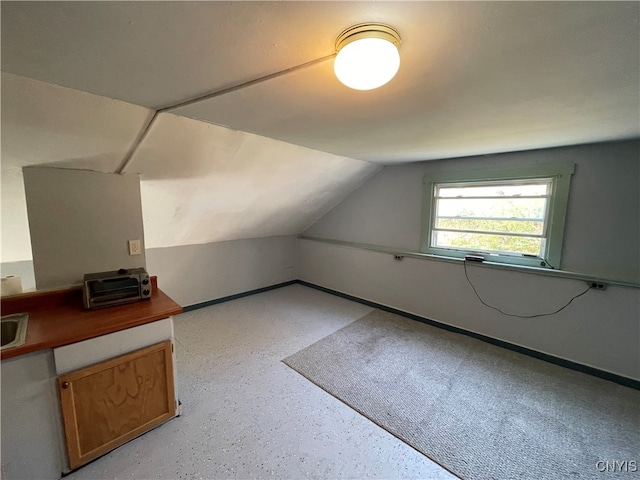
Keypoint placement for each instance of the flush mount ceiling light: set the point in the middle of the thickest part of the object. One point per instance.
(367, 55)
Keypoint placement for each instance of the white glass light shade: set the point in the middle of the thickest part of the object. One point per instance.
(367, 55)
(367, 63)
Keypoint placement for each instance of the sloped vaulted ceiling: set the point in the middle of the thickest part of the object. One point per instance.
(228, 185)
(475, 78)
(200, 183)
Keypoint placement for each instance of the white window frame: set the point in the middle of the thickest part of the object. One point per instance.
(555, 220)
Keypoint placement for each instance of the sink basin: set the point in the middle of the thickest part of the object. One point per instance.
(14, 329)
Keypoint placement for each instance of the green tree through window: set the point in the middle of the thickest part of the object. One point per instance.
(511, 217)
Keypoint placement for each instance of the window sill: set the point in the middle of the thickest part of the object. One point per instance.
(501, 266)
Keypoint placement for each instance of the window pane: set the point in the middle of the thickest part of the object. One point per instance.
(538, 189)
(493, 207)
(517, 213)
(529, 227)
(487, 242)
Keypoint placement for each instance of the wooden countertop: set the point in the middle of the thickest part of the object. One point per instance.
(59, 318)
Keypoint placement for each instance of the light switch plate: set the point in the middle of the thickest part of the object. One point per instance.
(134, 247)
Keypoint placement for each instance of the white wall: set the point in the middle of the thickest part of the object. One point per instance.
(13, 215)
(192, 274)
(22, 269)
(600, 329)
(80, 222)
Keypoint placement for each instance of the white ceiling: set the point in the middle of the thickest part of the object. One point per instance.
(475, 77)
(81, 79)
(201, 183)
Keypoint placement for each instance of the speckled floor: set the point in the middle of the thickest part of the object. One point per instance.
(248, 415)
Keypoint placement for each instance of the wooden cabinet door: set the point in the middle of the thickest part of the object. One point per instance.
(109, 403)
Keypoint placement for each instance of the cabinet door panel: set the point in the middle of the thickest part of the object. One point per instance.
(109, 403)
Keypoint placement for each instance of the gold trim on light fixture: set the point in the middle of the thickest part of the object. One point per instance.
(367, 55)
(368, 30)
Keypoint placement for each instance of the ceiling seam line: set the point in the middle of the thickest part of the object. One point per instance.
(132, 151)
(249, 83)
(136, 144)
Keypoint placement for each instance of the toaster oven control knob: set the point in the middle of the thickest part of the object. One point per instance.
(145, 281)
(145, 292)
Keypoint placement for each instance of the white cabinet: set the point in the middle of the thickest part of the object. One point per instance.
(33, 445)
(73, 360)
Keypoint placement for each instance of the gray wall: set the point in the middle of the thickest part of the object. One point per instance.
(602, 233)
(600, 329)
(80, 222)
(192, 274)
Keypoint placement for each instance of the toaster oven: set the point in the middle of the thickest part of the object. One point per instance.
(104, 289)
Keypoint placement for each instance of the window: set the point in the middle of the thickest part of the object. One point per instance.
(509, 216)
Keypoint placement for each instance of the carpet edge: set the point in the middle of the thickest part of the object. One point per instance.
(358, 411)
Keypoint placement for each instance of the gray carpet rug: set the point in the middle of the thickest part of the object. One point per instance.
(480, 411)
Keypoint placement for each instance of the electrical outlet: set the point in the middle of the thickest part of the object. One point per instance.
(598, 285)
(134, 247)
